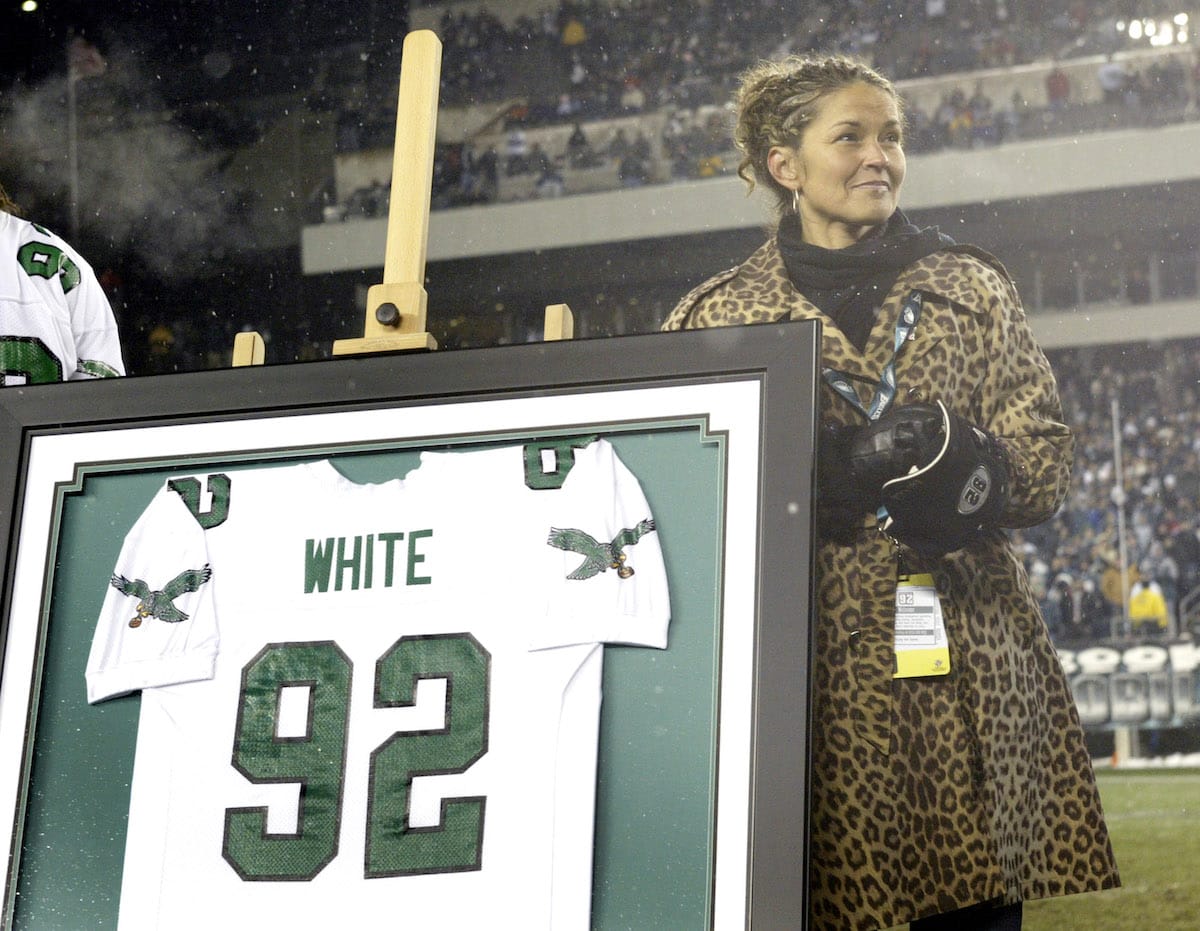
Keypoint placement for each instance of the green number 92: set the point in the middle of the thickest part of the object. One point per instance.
(317, 759)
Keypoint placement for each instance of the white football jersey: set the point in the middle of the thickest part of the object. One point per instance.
(55, 320)
(374, 700)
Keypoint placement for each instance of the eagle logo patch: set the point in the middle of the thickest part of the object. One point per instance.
(599, 557)
(161, 603)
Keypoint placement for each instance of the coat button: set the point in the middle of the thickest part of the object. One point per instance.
(915, 394)
(855, 637)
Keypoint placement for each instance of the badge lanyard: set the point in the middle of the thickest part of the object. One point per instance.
(885, 391)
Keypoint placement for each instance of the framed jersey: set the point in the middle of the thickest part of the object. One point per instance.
(512, 637)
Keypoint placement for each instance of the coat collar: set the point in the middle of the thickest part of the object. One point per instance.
(939, 274)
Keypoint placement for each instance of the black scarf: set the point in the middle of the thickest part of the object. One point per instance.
(849, 284)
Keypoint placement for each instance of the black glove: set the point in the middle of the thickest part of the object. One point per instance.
(841, 500)
(942, 480)
(903, 439)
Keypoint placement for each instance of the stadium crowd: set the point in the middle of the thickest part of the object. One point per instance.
(587, 61)
(1074, 559)
(611, 58)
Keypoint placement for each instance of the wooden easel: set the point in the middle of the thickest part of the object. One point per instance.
(396, 309)
(560, 324)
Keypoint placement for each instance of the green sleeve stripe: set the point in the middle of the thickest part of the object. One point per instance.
(97, 369)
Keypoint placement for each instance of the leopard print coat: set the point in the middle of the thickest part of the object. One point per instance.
(931, 794)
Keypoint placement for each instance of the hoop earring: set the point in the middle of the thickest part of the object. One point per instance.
(796, 202)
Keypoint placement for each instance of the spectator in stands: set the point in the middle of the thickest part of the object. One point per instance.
(1010, 121)
(1070, 597)
(633, 98)
(710, 166)
(516, 150)
(945, 114)
(578, 140)
(1147, 609)
(448, 172)
(1095, 613)
(1114, 585)
(641, 145)
(161, 356)
(1134, 95)
(677, 132)
(1183, 544)
(618, 146)
(488, 169)
(468, 178)
(1160, 567)
(1113, 78)
(579, 151)
(573, 32)
(961, 128)
(825, 137)
(538, 160)
(578, 70)
(985, 126)
(633, 169)
(376, 198)
(567, 106)
(1058, 88)
(979, 101)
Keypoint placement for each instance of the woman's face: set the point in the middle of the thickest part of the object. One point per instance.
(848, 167)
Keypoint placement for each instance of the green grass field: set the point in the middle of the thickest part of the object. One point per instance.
(1154, 819)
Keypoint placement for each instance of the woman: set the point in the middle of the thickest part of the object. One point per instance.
(949, 784)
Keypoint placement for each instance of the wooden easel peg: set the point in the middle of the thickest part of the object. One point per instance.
(396, 309)
(560, 323)
(248, 349)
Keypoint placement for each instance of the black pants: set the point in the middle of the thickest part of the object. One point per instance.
(983, 917)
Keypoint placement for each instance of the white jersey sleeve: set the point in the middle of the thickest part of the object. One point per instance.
(97, 342)
(157, 625)
(611, 580)
(55, 320)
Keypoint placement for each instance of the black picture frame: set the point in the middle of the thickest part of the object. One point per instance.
(753, 387)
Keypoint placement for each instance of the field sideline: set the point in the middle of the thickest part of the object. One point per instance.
(1154, 819)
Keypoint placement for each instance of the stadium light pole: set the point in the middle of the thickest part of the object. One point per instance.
(1125, 739)
(1118, 496)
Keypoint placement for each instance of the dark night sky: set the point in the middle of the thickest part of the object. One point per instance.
(32, 44)
(197, 79)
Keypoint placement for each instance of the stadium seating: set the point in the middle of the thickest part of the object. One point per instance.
(970, 80)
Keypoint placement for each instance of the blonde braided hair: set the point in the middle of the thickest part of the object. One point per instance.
(776, 100)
